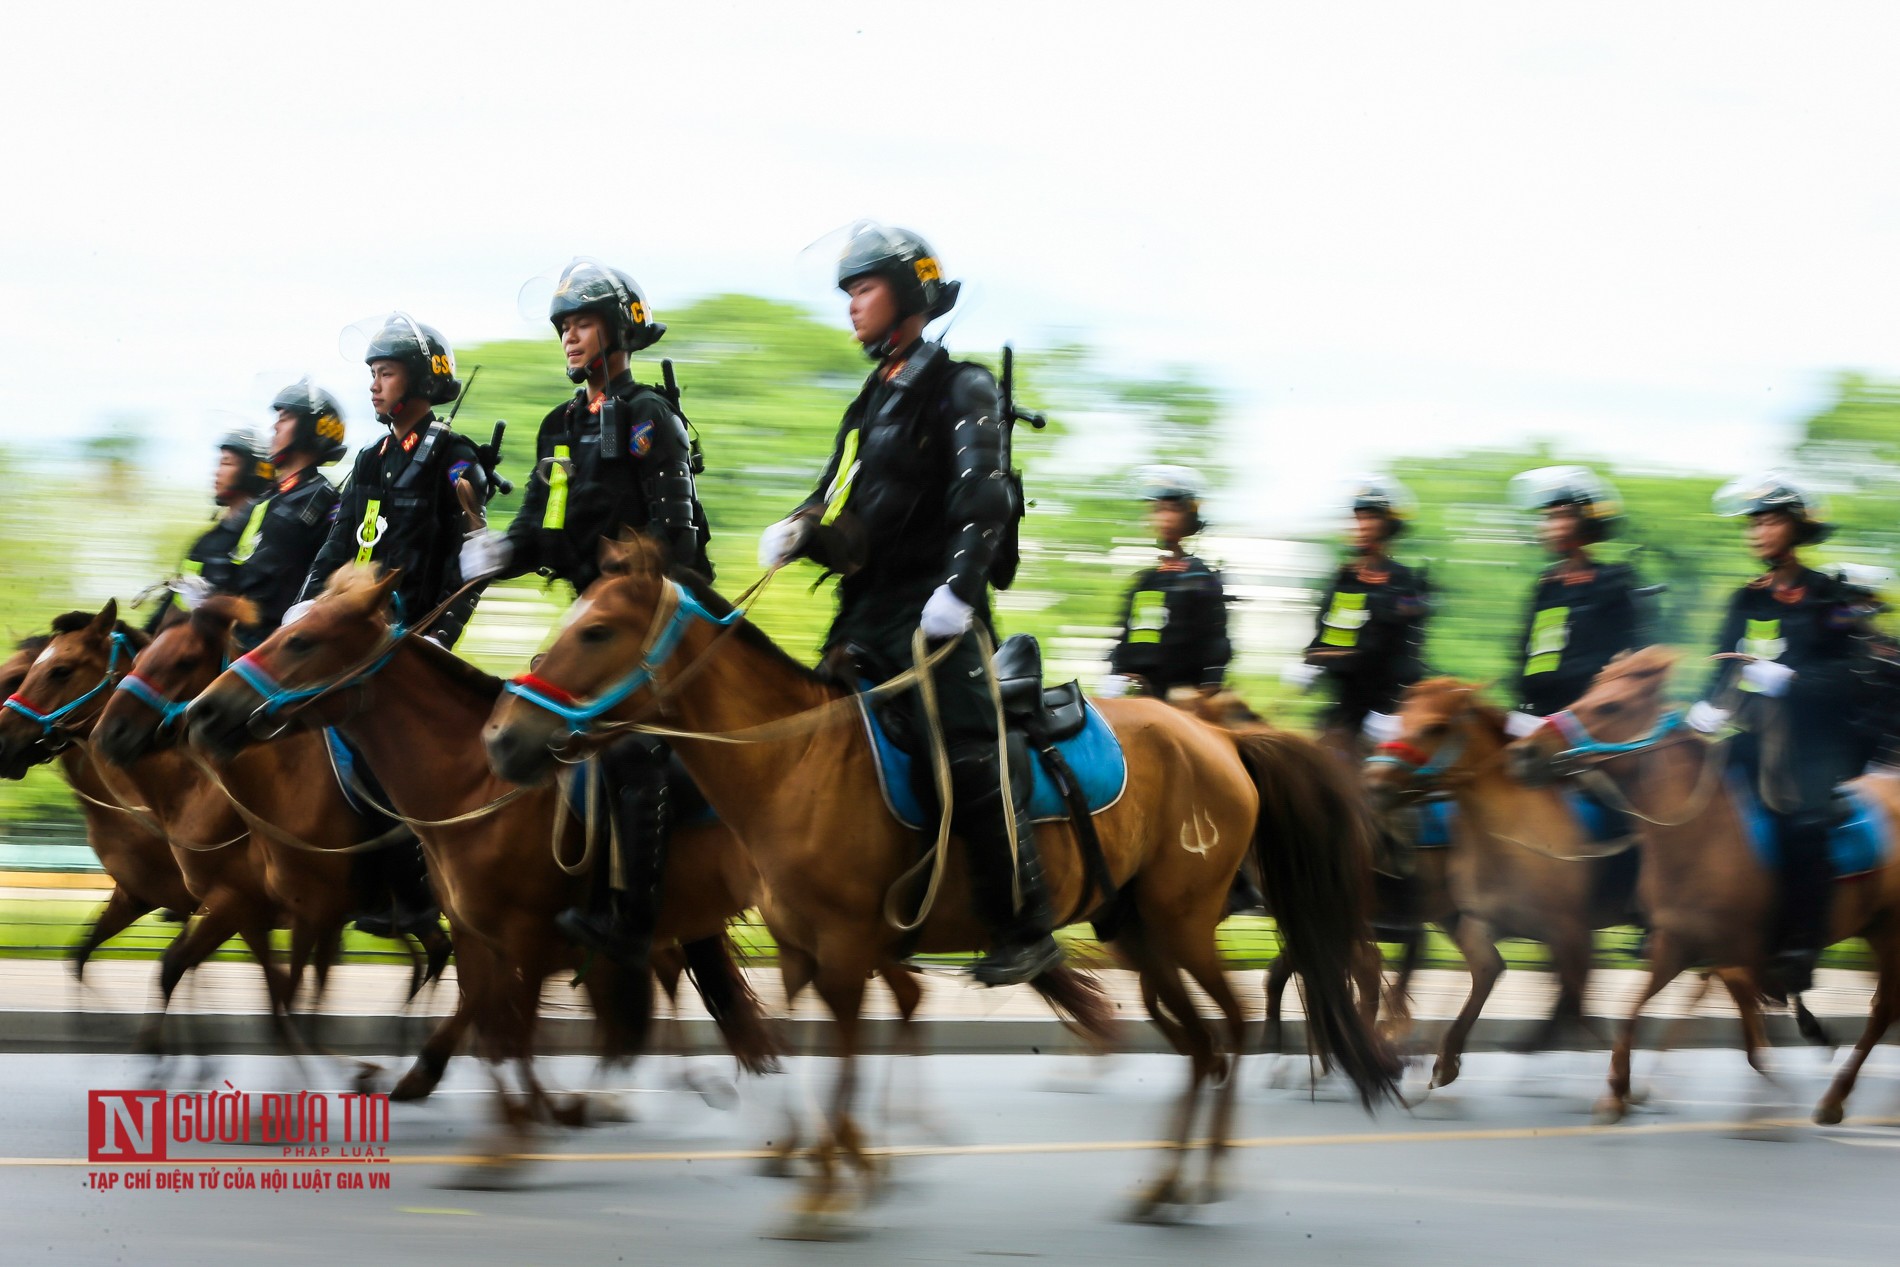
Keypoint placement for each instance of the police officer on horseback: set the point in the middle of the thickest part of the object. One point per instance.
(1786, 646)
(615, 456)
(916, 512)
(241, 479)
(413, 495)
(1174, 620)
(290, 522)
(1583, 613)
(1371, 626)
(407, 504)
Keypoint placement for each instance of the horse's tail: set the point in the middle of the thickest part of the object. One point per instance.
(1313, 841)
(1078, 996)
(734, 1007)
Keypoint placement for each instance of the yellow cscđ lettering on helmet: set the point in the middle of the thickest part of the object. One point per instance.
(638, 311)
(927, 270)
(330, 427)
(442, 365)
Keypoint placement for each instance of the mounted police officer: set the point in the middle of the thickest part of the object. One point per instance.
(1174, 620)
(413, 495)
(916, 511)
(615, 456)
(241, 479)
(289, 523)
(1787, 644)
(409, 500)
(1583, 613)
(1371, 626)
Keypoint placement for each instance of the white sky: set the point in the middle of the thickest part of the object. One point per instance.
(1647, 230)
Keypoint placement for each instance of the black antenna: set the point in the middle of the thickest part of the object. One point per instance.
(466, 388)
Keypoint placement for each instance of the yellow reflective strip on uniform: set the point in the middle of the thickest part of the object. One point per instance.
(192, 567)
(366, 531)
(1550, 634)
(1344, 619)
(1762, 639)
(1146, 616)
(253, 529)
(554, 517)
(840, 490)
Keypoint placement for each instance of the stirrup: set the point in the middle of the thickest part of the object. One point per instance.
(1014, 963)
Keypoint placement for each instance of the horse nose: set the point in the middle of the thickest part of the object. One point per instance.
(116, 741)
(209, 725)
(513, 755)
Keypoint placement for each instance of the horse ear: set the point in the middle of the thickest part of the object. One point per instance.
(211, 620)
(384, 589)
(101, 625)
(616, 557)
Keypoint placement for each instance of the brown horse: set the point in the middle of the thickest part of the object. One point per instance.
(1708, 896)
(415, 713)
(807, 804)
(1511, 872)
(145, 877)
(305, 858)
(69, 685)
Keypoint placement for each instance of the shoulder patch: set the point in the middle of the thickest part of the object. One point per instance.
(640, 441)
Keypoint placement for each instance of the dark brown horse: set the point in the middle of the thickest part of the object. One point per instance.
(1707, 894)
(145, 877)
(1519, 863)
(807, 804)
(415, 713)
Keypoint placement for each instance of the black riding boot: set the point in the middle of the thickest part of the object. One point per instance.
(1807, 878)
(392, 890)
(619, 922)
(1021, 947)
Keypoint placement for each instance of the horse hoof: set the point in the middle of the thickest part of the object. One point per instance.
(824, 1217)
(1608, 1111)
(1829, 1114)
(1639, 1096)
(1159, 1204)
(367, 1078)
(491, 1174)
(412, 1086)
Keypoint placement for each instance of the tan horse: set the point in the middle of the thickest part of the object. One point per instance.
(72, 680)
(1509, 868)
(807, 804)
(145, 876)
(415, 713)
(1708, 896)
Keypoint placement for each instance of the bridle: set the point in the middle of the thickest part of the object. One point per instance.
(48, 722)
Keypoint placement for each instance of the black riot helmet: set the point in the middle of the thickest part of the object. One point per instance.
(1577, 487)
(589, 286)
(423, 352)
(904, 260)
(1775, 491)
(259, 474)
(1179, 485)
(319, 429)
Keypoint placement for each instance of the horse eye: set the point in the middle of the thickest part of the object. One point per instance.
(62, 672)
(297, 644)
(1610, 709)
(1434, 730)
(597, 633)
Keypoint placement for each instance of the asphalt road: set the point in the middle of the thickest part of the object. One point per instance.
(1021, 1157)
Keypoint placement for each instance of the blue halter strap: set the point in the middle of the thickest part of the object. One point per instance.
(581, 714)
(276, 695)
(169, 710)
(121, 645)
(1582, 744)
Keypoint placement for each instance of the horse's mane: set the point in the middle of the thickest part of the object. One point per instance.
(353, 580)
(226, 610)
(644, 551)
(1641, 662)
(33, 644)
(73, 622)
(360, 582)
(1483, 709)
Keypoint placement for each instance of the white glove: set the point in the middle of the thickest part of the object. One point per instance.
(1382, 728)
(191, 590)
(297, 611)
(1706, 717)
(484, 553)
(1114, 686)
(946, 615)
(1768, 677)
(436, 639)
(781, 542)
(1300, 675)
(1517, 725)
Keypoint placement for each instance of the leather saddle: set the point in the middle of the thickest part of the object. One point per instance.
(1046, 713)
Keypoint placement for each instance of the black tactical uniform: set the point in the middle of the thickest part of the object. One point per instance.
(1580, 619)
(1367, 639)
(1583, 614)
(1174, 627)
(399, 507)
(213, 555)
(1800, 746)
(919, 496)
(604, 464)
(295, 517)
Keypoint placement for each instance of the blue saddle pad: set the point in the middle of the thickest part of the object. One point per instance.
(1600, 823)
(689, 805)
(348, 776)
(1855, 847)
(1093, 753)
